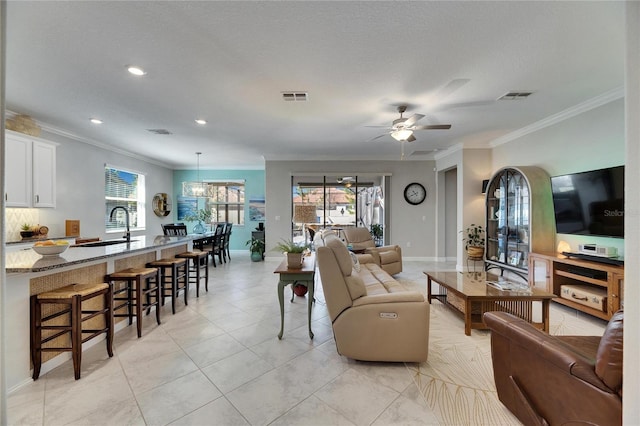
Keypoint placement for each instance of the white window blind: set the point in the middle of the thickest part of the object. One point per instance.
(127, 189)
(225, 200)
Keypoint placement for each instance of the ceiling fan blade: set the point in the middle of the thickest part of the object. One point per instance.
(378, 137)
(433, 127)
(411, 120)
(411, 138)
(379, 127)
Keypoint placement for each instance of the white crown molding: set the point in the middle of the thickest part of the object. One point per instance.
(583, 107)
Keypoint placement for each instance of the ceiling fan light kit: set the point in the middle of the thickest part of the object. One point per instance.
(402, 134)
(402, 128)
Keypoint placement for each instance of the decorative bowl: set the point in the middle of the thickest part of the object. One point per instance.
(50, 250)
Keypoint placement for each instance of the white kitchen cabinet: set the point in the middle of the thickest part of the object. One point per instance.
(30, 171)
(44, 174)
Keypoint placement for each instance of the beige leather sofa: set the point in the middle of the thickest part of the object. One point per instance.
(388, 257)
(374, 318)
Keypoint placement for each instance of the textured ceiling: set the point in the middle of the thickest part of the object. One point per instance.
(229, 62)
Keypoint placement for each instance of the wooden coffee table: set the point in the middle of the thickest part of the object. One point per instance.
(470, 295)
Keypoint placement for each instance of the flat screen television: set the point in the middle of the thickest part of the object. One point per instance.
(590, 203)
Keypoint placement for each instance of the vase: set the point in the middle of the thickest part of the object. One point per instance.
(300, 290)
(294, 260)
(475, 252)
(256, 256)
(198, 228)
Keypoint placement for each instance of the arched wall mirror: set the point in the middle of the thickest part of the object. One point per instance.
(161, 204)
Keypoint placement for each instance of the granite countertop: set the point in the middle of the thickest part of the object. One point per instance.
(27, 260)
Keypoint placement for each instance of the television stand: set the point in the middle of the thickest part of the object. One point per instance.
(550, 271)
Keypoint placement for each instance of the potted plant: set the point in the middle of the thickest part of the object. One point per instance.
(293, 251)
(256, 247)
(200, 215)
(26, 231)
(474, 240)
(376, 233)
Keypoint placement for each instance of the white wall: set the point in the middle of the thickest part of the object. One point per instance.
(592, 140)
(472, 166)
(406, 227)
(631, 399)
(80, 188)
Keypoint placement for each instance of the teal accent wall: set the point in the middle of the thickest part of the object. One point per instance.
(254, 187)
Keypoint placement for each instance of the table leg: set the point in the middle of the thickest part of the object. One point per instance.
(467, 317)
(545, 315)
(310, 287)
(429, 289)
(281, 286)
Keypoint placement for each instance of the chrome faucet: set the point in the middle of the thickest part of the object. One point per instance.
(127, 234)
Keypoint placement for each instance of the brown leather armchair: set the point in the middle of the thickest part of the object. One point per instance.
(388, 258)
(557, 380)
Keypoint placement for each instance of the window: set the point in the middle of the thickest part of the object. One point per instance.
(123, 188)
(225, 200)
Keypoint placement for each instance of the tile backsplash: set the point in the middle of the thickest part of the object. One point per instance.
(15, 218)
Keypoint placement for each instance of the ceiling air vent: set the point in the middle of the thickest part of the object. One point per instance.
(294, 96)
(160, 131)
(514, 96)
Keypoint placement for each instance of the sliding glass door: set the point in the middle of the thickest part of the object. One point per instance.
(336, 202)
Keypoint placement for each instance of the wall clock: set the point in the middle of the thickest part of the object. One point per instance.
(415, 193)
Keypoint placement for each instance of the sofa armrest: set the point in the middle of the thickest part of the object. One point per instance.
(365, 258)
(383, 248)
(549, 348)
(402, 296)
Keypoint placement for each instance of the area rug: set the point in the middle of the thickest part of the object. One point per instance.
(457, 379)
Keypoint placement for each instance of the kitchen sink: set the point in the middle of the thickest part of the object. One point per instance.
(101, 243)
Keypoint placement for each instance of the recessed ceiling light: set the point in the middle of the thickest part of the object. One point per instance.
(201, 121)
(135, 70)
(96, 121)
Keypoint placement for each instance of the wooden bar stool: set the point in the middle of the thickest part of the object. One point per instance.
(174, 276)
(72, 295)
(142, 287)
(199, 262)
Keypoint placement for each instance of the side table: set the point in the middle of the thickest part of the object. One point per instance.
(304, 276)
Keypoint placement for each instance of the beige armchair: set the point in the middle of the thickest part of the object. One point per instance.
(374, 318)
(388, 257)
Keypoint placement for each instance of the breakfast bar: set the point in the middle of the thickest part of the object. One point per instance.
(29, 273)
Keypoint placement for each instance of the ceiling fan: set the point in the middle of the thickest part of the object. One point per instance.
(402, 128)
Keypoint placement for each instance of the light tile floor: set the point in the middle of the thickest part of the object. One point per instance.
(218, 361)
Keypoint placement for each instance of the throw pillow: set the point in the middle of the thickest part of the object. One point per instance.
(356, 262)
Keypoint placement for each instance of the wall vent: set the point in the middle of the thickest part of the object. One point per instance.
(514, 96)
(160, 131)
(294, 96)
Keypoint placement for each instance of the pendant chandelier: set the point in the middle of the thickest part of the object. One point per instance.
(196, 188)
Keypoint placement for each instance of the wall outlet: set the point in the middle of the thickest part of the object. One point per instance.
(408, 243)
(277, 217)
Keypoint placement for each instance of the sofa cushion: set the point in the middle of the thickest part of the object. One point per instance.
(609, 356)
(341, 253)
